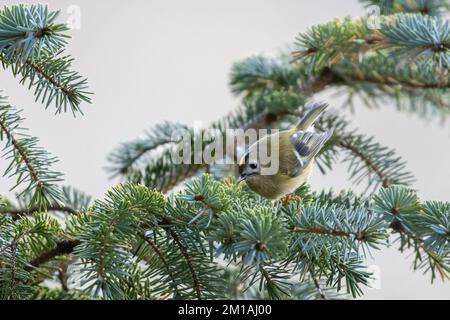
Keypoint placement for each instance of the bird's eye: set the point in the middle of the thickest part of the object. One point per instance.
(253, 166)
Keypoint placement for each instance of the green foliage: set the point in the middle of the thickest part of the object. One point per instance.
(430, 7)
(32, 45)
(76, 199)
(53, 81)
(137, 244)
(25, 32)
(29, 164)
(43, 293)
(367, 160)
(422, 38)
(261, 237)
(122, 232)
(432, 44)
(109, 235)
(125, 158)
(405, 60)
(215, 238)
(407, 53)
(259, 72)
(423, 226)
(19, 242)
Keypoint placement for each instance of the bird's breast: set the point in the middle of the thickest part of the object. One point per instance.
(276, 186)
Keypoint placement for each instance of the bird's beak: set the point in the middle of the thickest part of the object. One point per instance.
(241, 178)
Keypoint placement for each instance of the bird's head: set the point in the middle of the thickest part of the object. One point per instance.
(248, 169)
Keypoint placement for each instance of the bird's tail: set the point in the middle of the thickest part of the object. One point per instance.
(311, 116)
(308, 144)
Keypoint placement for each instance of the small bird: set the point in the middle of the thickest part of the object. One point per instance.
(297, 149)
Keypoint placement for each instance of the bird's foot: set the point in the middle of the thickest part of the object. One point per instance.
(289, 198)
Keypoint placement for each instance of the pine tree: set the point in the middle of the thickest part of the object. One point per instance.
(173, 231)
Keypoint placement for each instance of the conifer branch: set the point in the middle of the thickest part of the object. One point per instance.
(64, 247)
(17, 213)
(27, 31)
(406, 215)
(163, 260)
(12, 140)
(318, 286)
(426, 7)
(137, 243)
(195, 280)
(327, 231)
(125, 158)
(31, 45)
(29, 163)
(381, 175)
(332, 63)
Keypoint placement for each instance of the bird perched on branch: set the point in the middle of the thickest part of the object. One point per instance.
(297, 148)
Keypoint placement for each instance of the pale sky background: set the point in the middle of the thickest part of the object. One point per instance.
(154, 60)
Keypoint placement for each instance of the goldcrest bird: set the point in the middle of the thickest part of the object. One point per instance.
(297, 150)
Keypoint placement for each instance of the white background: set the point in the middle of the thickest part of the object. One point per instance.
(149, 61)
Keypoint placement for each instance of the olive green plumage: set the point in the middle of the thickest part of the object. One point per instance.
(297, 148)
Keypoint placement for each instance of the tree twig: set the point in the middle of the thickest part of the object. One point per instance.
(369, 163)
(32, 171)
(162, 258)
(62, 248)
(187, 257)
(17, 213)
(317, 285)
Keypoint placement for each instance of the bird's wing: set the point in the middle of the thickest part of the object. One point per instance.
(311, 115)
(307, 145)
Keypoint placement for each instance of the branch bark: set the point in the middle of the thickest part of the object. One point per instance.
(187, 257)
(17, 213)
(32, 171)
(369, 163)
(62, 248)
